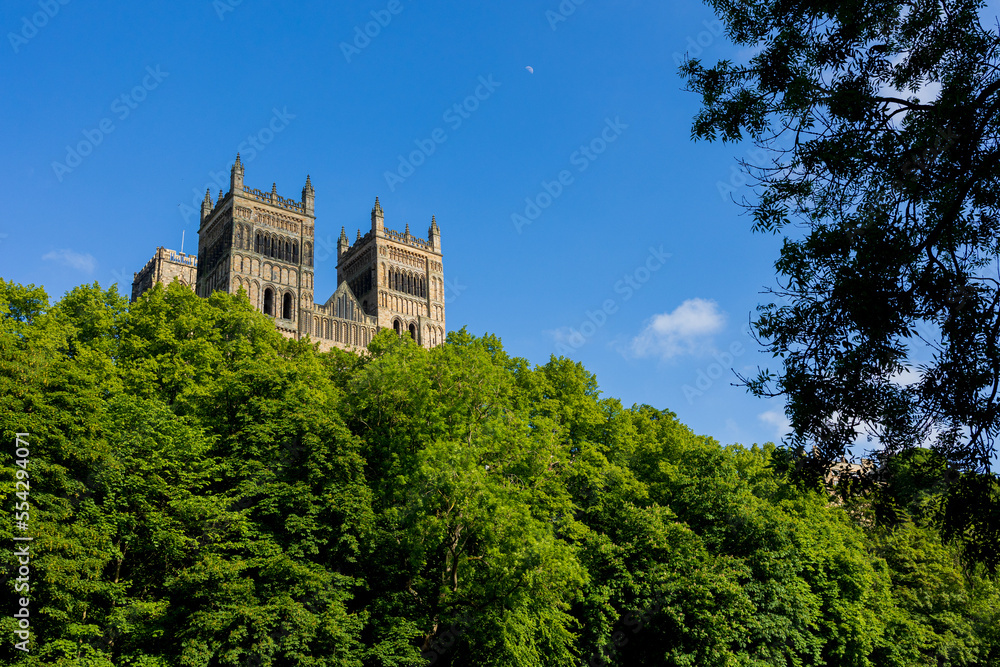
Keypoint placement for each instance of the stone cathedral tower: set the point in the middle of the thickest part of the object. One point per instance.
(263, 243)
(398, 278)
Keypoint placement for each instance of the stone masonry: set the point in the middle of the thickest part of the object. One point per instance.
(263, 243)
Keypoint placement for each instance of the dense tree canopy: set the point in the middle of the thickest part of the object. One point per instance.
(882, 118)
(205, 492)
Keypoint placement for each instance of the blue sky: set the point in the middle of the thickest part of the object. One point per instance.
(576, 214)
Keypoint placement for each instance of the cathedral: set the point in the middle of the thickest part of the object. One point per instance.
(264, 244)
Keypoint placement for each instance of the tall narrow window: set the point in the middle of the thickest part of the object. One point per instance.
(286, 306)
(269, 301)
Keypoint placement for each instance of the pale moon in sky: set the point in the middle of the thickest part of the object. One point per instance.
(531, 70)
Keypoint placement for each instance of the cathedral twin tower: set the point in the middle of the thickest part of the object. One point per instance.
(265, 243)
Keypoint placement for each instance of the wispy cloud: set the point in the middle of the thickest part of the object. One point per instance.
(906, 377)
(81, 262)
(778, 420)
(688, 329)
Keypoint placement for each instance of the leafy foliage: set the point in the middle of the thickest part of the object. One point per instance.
(881, 119)
(205, 492)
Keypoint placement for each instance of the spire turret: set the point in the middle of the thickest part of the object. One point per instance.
(236, 176)
(308, 197)
(274, 191)
(342, 243)
(434, 235)
(378, 217)
(206, 204)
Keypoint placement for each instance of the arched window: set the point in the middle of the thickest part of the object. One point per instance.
(286, 306)
(396, 327)
(288, 251)
(413, 331)
(295, 253)
(269, 301)
(257, 243)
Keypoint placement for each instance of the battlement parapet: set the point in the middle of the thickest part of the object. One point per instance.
(408, 239)
(274, 199)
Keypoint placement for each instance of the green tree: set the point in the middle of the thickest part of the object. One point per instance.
(206, 492)
(467, 558)
(881, 120)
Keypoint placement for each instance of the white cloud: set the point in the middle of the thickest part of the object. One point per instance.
(686, 330)
(566, 336)
(906, 377)
(927, 92)
(778, 420)
(75, 260)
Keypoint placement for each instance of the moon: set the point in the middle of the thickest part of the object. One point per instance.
(531, 70)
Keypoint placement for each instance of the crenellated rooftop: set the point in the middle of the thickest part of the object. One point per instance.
(408, 239)
(274, 199)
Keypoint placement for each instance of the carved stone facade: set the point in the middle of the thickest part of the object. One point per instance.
(264, 244)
